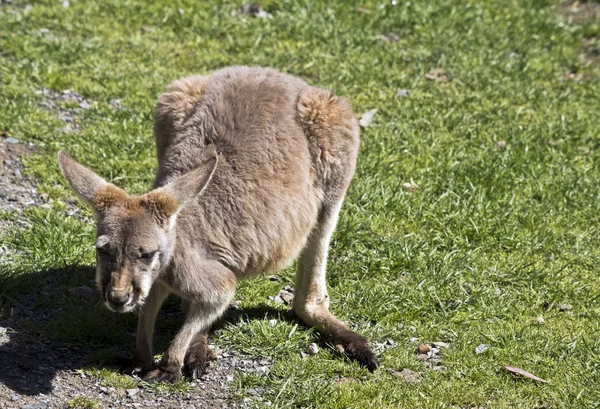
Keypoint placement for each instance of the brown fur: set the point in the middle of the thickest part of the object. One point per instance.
(253, 169)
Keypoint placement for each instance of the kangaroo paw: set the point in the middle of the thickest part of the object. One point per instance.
(162, 375)
(357, 349)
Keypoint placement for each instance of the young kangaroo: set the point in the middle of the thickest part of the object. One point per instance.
(253, 168)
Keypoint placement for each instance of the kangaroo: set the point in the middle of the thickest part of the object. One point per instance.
(253, 167)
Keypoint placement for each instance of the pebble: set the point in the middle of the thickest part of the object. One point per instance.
(261, 370)
(313, 349)
(255, 391)
(11, 141)
(564, 307)
(132, 392)
(481, 349)
(403, 93)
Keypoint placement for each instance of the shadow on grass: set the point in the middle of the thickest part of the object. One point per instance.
(55, 322)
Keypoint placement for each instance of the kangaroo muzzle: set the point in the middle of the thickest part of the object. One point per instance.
(120, 291)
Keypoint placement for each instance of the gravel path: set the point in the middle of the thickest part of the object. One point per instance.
(37, 372)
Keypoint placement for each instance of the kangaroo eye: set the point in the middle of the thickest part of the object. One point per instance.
(103, 250)
(147, 256)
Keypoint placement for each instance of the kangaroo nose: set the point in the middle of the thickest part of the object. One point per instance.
(118, 299)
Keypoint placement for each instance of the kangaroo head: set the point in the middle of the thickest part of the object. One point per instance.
(135, 235)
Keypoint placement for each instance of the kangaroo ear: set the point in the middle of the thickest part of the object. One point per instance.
(191, 184)
(92, 189)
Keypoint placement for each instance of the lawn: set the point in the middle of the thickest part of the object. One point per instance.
(497, 121)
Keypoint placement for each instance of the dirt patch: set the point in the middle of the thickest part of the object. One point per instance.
(580, 12)
(38, 371)
(17, 192)
(591, 51)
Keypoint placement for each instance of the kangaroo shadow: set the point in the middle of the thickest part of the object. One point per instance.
(54, 320)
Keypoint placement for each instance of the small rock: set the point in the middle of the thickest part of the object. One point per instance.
(2, 330)
(424, 348)
(501, 144)
(256, 391)
(390, 342)
(273, 322)
(481, 349)
(229, 378)
(11, 141)
(564, 307)
(433, 361)
(261, 370)
(423, 357)
(115, 103)
(403, 93)
(541, 320)
(132, 392)
(84, 105)
(278, 300)
(313, 349)
(411, 187)
(440, 344)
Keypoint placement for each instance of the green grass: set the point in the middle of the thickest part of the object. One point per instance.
(82, 402)
(494, 238)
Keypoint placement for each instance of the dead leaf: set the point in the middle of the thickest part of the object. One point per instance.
(411, 187)
(424, 348)
(526, 374)
(407, 375)
(367, 118)
(363, 10)
(437, 75)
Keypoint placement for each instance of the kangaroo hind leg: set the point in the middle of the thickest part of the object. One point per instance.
(311, 301)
